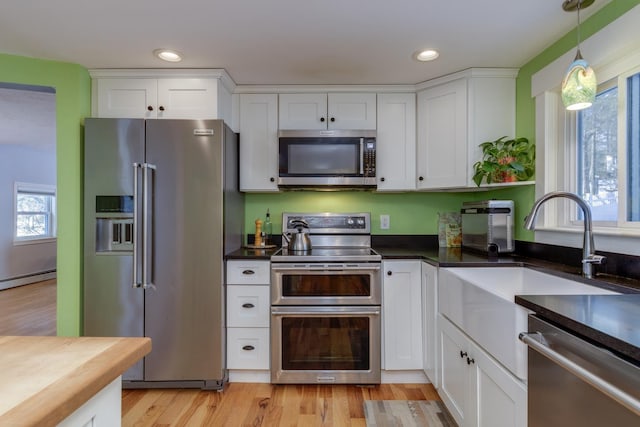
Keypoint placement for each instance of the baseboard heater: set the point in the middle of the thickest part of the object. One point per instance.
(27, 279)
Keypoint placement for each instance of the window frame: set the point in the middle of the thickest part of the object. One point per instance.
(41, 189)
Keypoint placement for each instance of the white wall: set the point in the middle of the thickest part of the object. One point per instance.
(27, 154)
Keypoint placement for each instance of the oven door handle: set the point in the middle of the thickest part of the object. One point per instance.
(297, 311)
(349, 268)
(600, 384)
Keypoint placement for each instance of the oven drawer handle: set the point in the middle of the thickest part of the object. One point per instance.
(248, 305)
(248, 348)
(316, 313)
(248, 272)
(603, 386)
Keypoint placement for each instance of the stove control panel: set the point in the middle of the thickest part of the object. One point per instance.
(330, 223)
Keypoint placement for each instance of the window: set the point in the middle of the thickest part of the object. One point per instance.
(35, 207)
(601, 146)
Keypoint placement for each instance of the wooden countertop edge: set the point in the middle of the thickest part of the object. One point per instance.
(61, 398)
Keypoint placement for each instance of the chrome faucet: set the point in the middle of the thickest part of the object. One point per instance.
(588, 249)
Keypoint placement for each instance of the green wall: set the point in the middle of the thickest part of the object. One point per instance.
(410, 212)
(73, 95)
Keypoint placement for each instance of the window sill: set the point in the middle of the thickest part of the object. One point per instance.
(622, 241)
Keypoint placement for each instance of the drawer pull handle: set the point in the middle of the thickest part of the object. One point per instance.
(248, 272)
(247, 305)
(248, 348)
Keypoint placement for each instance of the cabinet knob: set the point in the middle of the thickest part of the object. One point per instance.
(389, 273)
(248, 347)
(470, 361)
(161, 108)
(463, 354)
(333, 119)
(247, 305)
(382, 179)
(322, 119)
(150, 108)
(420, 178)
(248, 272)
(272, 179)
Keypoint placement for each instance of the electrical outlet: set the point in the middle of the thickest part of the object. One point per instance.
(384, 222)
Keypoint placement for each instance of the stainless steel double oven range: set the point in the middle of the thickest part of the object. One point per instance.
(325, 303)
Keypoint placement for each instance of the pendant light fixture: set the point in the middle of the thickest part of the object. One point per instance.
(579, 84)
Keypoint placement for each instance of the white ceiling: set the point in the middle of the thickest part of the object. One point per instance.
(289, 41)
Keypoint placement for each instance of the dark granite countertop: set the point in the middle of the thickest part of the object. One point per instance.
(248, 253)
(612, 321)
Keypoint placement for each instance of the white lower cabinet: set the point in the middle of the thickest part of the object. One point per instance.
(429, 322)
(248, 348)
(103, 409)
(248, 320)
(476, 389)
(402, 315)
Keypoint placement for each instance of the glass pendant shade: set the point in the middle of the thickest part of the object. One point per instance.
(579, 85)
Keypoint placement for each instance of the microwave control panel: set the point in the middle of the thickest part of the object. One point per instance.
(369, 157)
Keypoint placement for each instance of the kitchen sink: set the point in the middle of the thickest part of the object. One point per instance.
(480, 301)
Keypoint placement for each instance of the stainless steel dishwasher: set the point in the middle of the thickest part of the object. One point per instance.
(575, 383)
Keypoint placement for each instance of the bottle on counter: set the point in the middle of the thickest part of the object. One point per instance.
(268, 229)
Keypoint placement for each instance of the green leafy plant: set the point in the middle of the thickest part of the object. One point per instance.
(505, 160)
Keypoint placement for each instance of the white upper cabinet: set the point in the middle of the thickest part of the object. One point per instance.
(258, 142)
(160, 94)
(396, 142)
(327, 111)
(455, 115)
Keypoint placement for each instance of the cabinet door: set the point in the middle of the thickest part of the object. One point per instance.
(303, 111)
(402, 315)
(127, 98)
(429, 323)
(258, 142)
(501, 398)
(187, 99)
(442, 136)
(455, 381)
(396, 142)
(352, 111)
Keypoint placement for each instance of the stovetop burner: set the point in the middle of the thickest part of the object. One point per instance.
(335, 237)
(323, 254)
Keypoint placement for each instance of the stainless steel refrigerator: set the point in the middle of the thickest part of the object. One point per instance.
(161, 209)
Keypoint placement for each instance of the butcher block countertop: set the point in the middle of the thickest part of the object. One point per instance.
(43, 380)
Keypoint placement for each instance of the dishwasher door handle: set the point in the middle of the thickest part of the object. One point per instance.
(603, 386)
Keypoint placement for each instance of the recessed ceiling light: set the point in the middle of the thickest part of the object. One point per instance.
(427, 55)
(168, 55)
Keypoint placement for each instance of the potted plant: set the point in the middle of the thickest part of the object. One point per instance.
(505, 160)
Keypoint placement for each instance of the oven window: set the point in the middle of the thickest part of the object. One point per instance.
(326, 285)
(325, 343)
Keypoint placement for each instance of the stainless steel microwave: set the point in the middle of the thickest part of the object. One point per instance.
(327, 158)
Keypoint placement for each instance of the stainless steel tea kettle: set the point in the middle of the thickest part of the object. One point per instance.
(298, 241)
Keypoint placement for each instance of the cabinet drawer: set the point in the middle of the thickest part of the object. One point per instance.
(248, 306)
(247, 348)
(249, 272)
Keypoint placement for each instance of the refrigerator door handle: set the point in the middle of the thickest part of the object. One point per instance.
(147, 235)
(136, 226)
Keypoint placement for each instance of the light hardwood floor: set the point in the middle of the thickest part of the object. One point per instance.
(31, 310)
(262, 405)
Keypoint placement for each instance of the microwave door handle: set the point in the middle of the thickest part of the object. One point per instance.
(361, 156)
